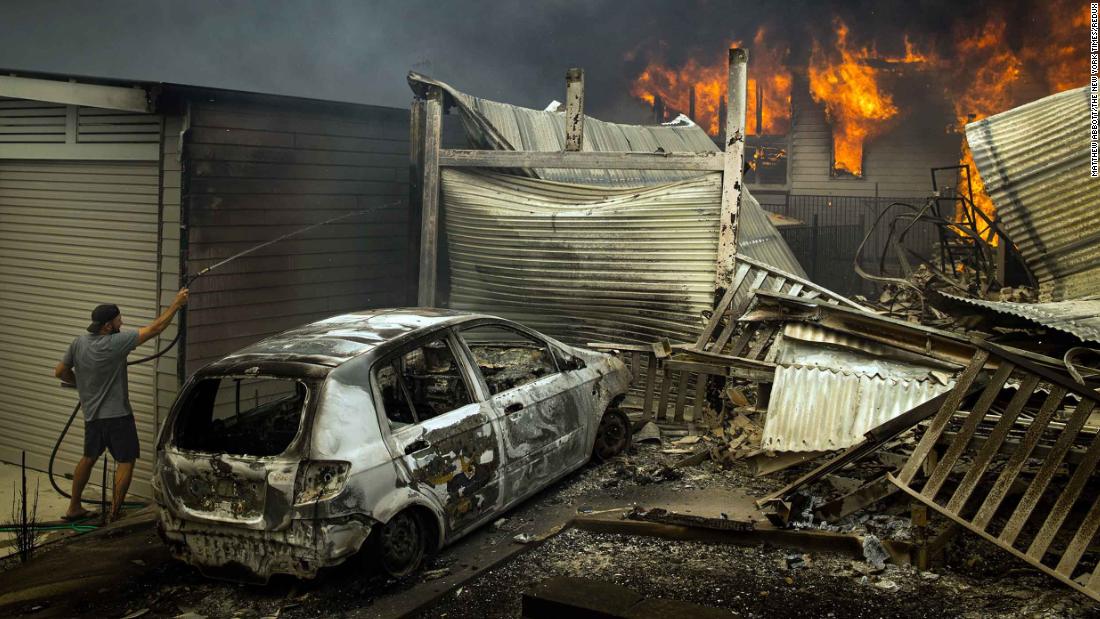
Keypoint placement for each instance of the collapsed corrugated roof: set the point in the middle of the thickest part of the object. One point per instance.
(1034, 161)
(1080, 317)
(831, 388)
(501, 126)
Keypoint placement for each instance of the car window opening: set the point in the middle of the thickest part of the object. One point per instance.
(421, 384)
(245, 416)
(508, 358)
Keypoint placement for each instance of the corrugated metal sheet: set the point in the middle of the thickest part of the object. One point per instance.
(580, 262)
(501, 126)
(1080, 317)
(72, 235)
(821, 409)
(804, 339)
(830, 388)
(1034, 161)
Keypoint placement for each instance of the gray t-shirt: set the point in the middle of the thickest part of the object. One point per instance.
(99, 362)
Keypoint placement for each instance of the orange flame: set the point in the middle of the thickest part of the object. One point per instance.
(1059, 46)
(854, 103)
(674, 85)
(990, 77)
(994, 76)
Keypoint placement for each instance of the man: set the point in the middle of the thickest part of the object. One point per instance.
(96, 363)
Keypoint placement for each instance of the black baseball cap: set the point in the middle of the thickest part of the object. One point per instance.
(101, 315)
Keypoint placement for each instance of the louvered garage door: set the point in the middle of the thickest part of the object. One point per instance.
(72, 235)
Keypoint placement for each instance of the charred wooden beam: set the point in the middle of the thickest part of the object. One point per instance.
(574, 109)
(429, 201)
(733, 168)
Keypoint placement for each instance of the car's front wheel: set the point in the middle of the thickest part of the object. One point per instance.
(613, 435)
(401, 543)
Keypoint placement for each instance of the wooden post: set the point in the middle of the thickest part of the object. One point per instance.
(429, 200)
(691, 104)
(733, 167)
(759, 108)
(574, 109)
(416, 175)
(919, 519)
(658, 109)
(721, 115)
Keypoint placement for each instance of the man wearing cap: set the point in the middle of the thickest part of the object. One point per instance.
(96, 363)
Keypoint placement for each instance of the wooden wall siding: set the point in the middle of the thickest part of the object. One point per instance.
(167, 366)
(256, 172)
(895, 164)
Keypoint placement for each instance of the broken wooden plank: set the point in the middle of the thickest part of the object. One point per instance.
(1042, 514)
(861, 498)
(762, 464)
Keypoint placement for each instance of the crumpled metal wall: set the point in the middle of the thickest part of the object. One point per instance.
(580, 262)
(1034, 161)
(502, 126)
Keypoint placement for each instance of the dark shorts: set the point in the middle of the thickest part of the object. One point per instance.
(116, 434)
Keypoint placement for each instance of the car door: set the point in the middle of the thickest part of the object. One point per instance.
(446, 443)
(540, 412)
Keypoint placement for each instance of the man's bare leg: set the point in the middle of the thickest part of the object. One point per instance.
(80, 479)
(124, 472)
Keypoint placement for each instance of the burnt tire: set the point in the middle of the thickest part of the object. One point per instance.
(401, 544)
(613, 435)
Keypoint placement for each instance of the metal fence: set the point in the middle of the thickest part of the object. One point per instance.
(831, 230)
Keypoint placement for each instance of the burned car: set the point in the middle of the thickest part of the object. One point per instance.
(391, 431)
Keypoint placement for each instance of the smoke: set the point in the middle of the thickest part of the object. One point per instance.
(513, 51)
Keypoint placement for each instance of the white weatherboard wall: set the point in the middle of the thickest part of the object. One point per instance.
(73, 233)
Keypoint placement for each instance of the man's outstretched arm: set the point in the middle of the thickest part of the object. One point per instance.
(155, 328)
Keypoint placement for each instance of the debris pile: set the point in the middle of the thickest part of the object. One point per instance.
(955, 401)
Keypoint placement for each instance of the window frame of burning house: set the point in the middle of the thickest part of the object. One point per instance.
(757, 139)
(834, 172)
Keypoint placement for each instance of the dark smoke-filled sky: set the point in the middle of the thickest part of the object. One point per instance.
(360, 51)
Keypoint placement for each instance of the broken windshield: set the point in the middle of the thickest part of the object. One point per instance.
(257, 416)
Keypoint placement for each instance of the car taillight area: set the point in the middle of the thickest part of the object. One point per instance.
(320, 480)
(241, 415)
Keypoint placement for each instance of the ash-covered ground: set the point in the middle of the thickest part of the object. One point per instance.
(978, 579)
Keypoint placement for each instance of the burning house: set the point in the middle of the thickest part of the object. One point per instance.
(844, 124)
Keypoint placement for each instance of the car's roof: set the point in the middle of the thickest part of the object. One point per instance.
(334, 340)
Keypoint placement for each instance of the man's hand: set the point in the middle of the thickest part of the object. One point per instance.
(181, 297)
(65, 373)
(154, 329)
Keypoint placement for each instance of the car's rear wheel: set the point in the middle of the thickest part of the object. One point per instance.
(613, 435)
(401, 544)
